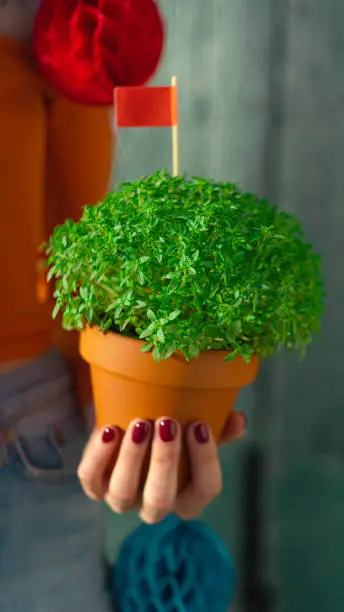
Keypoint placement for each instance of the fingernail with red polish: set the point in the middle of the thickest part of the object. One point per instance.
(109, 434)
(201, 433)
(167, 430)
(140, 432)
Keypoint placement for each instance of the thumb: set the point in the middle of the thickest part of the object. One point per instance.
(234, 429)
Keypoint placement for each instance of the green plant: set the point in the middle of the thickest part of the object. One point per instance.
(188, 265)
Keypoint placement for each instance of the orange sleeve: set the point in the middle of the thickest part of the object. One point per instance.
(80, 144)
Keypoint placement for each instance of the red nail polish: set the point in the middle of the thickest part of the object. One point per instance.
(201, 433)
(167, 430)
(140, 432)
(109, 434)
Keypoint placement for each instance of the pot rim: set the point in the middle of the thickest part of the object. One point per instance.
(119, 355)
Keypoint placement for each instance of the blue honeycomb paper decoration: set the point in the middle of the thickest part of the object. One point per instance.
(175, 566)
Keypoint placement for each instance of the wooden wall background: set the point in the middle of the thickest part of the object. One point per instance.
(262, 103)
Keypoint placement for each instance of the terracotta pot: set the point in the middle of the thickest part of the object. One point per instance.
(129, 384)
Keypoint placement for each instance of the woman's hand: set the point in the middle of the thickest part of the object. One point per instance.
(113, 465)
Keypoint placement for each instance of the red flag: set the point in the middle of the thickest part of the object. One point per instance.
(146, 106)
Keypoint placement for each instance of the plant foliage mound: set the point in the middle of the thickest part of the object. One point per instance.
(188, 265)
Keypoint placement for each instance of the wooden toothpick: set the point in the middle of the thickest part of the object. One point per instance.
(175, 129)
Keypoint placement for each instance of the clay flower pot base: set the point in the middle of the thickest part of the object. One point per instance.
(128, 384)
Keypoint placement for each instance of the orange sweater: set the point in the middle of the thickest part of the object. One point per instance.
(55, 157)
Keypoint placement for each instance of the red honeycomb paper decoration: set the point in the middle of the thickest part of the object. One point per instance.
(85, 48)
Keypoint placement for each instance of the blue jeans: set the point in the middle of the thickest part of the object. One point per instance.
(51, 536)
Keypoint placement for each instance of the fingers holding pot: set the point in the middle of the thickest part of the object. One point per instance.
(141, 468)
(161, 485)
(206, 474)
(98, 458)
(124, 486)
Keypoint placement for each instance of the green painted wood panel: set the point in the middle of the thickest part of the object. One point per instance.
(307, 447)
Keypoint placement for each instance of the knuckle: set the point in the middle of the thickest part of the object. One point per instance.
(156, 507)
(120, 503)
(153, 515)
(188, 515)
(93, 495)
(85, 477)
(159, 506)
(82, 473)
(118, 507)
(208, 493)
(167, 460)
(164, 464)
(88, 485)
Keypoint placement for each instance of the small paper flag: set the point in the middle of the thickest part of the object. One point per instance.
(146, 107)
